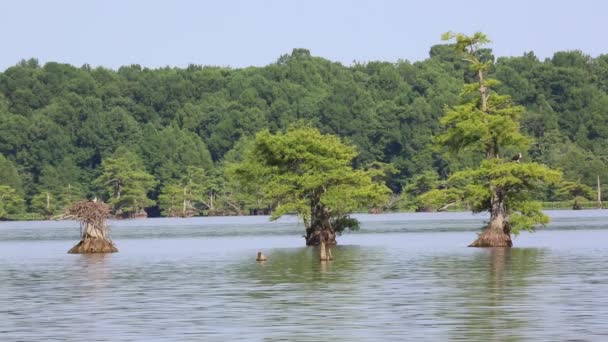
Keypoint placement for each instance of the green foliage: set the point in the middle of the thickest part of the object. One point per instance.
(437, 200)
(10, 201)
(422, 193)
(58, 189)
(59, 122)
(68, 195)
(126, 183)
(310, 174)
(241, 185)
(489, 124)
(568, 190)
(187, 196)
(9, 175)
(45, 204)
(520, 183)
(171, 151)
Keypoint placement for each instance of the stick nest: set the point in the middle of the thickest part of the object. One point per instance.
(94, 213)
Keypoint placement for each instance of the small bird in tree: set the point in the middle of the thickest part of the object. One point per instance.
(517, 158)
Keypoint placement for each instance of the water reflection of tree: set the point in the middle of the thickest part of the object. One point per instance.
(304, 298)
(301, 265)
(94, 272)
(485, 291)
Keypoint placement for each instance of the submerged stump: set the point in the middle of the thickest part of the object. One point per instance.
(260, 257)
(94, 230)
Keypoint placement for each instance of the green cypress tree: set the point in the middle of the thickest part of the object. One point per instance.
(487, 123)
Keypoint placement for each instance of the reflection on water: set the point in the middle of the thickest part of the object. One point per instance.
(301, 265)
(387, 283)
(485, 297)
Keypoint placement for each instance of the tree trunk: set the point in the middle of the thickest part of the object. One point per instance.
(498, 231)
(313, 236)
(599, 194)
(184, 203)
(319, 227)
(93, 241)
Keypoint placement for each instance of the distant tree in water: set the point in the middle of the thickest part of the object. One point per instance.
(188, 196)
(126, 184)
(10, 201)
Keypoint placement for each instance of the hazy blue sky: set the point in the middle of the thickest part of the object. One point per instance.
(242, 33)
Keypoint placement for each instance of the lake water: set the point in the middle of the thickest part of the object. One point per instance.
(402, 277)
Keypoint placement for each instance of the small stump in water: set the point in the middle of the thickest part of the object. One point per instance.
(260, 257)
(94, 231)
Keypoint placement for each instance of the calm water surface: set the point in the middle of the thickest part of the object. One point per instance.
(402, 277)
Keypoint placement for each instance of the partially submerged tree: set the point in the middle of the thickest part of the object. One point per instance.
(488, 123)
(310, 174)
(45, 204)
(10, 201)
(240, 190)
(127, 184)
(93, 227)
(576, 191)
(187, 196)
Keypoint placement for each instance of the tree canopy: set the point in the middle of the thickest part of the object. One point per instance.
(59, 122)
(310, 174)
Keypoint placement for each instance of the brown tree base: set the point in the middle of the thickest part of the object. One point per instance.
(313, 238)
(492, 238)
(375, 211)
(93, 245)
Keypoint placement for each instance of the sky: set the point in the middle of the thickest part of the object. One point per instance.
(239, 33)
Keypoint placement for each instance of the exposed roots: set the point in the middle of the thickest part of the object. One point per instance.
(492, 237)
(94, 245)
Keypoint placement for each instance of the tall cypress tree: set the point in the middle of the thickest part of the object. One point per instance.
(488, 124)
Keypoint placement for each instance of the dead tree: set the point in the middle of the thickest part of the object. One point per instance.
(94, 230)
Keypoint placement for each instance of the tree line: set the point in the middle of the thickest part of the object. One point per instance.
(166, 141)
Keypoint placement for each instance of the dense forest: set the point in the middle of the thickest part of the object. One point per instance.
(161, 141)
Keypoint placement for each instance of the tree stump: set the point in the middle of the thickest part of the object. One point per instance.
(92, 217)
(260, 257)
